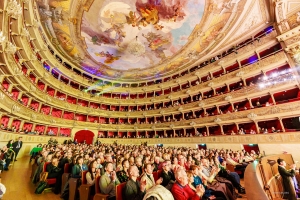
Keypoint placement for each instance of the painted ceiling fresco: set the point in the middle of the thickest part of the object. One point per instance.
(136, 39)
(158, 27)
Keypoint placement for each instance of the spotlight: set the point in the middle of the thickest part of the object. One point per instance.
(265, 77)
(261, 85)
(274, 74)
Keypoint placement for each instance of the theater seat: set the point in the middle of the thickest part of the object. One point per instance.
(50, 181)
(65, 176)
(119, 191)
(98, 195)
(84, 189)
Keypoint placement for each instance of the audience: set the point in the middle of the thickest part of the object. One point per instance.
(134, 190)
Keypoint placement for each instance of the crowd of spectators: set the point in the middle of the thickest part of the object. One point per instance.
(200, 174)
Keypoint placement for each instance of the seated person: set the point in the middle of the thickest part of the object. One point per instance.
(233, 177)
(167, 175)
(209, 193)
(123, 174)
(92, 174)
(78, 168)
(182, 191)
(148, 177)
(54, 172)
(134, 190)
(108, 181)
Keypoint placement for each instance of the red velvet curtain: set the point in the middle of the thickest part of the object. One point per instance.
(86, 135)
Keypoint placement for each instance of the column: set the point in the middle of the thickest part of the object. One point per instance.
(273, 99)
(256, 127)
(207, 130)
(222, 131)
(45, 131)
(282, 126)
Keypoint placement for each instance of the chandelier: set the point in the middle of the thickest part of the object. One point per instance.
(14, 9)
(136, 48)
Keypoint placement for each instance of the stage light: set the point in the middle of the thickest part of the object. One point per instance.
(265, 78)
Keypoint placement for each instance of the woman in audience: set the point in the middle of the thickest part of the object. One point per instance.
(78, 168)
(123, 175)
(92, 174)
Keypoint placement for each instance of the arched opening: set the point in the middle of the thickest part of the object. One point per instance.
(84, 135)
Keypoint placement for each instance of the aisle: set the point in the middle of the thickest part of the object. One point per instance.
(18, 183)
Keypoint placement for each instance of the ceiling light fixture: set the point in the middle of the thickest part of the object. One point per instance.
(136, 48)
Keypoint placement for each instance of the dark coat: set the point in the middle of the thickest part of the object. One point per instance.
(287, 182)
(167, 177)
(15, 144)
(132, 191)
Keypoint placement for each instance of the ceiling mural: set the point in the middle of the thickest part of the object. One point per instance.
(136, 39)
(131, 34)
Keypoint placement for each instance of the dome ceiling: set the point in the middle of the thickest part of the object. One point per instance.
(137, 39)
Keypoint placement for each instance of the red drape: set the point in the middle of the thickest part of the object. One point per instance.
(86, 135)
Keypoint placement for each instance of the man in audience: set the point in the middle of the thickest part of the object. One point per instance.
(108, 159)
(182, 191)
(139, 164)
(17, 146)
(54, 172)
(108, 181)
(288, 185)
(167, 175)
(148, 177)
(134, 190)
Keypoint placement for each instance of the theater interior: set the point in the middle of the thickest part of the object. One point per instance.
(198, 74)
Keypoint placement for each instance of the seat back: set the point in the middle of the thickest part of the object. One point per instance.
(119, 191)
(159, 172)
(45, 166)
(97, 187)
(155, 175)
(83, 177)
(66, 168)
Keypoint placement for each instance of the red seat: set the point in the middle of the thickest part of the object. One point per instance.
(119, 191)
(66, 168)
(50, 181)
(155, 175)
(98, 195)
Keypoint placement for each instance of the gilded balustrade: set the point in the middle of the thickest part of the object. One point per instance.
(272, 138)
(251, 91)
(263, 113)
(181, 94)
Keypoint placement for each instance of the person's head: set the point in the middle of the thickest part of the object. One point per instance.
(20, 138)
(54, 161)
(79, 160)
(125, 164)
(133, 171)
(281, 162)
(138, 161)
(156, 160)
(194, 169)
(109, 167)
(69, 155)
(181, 177)
(148, 168)
(190, 177)
(204, 162)
(92, 166)
(166, 166)
(108, 158)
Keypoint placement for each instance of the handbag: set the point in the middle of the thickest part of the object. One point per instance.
(42, 184)
(41, 187)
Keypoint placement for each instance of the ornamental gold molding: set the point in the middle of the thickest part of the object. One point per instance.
(263, 113)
